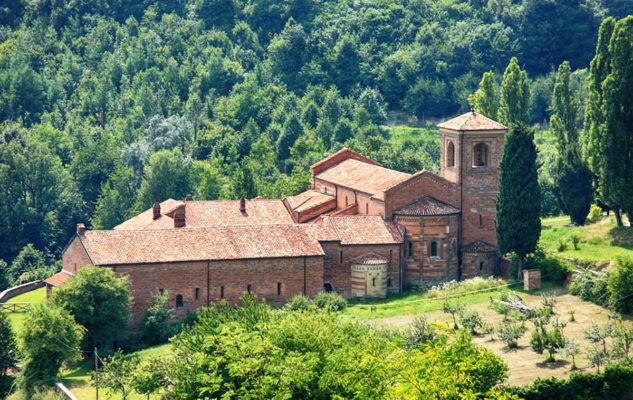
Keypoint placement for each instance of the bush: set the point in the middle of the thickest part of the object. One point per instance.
(511, 333)
(155, 327)
(468, 285)
(582, 285)
(620, 286)
(562, 245)
(595, 213)
(471, 320)
(330, 301)
(575, 241)
(553, 269)
(298, 303)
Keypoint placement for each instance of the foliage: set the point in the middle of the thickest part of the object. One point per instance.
(8, 348)
(484, 100)
(453, 288)
(330, 301)
(48, 338)
(99, 301)
(472, 321)
(550, 339)
(155, 327)
(620, 284)
(614, 383)
(590, 287)
(298, 302)
(595, 213)
(510, 333)
(117, 373)
(518, 221)
(29, 265)
(514, 97)
(454, 309)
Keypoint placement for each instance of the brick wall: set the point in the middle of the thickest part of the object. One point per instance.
(75, 256)
(474, 265)
(418, 186)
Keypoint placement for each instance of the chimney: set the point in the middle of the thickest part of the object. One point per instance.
(243, 205)
(188, 198)
(179, 219)
(156, 210)
(81, 228)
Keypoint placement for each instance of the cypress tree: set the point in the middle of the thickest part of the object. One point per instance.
(514, 98)
(572, 174)
(617, 178)
(484, 100)
(518, 220)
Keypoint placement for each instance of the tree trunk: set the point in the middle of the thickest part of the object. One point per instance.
(618, 216)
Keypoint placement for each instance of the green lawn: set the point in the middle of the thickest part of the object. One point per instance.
(414, 303)
(34, 297)
(600, 242)
(400, 133)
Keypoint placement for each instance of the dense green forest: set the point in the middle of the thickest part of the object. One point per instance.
(108, 106)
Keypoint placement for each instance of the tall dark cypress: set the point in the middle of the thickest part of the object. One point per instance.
(518, 220)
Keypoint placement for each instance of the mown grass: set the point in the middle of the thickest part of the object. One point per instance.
(600, 242)
(414, 303)
(34, 297)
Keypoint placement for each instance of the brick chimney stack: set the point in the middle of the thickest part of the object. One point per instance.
(81, 229)
(179, 219)
(243, 205)
(156, 210)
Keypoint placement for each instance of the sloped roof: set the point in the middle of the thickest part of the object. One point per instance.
(59, 278)
(472, 121)
(479, 246)
(145, 220)
(427, 206)
(308, 199)
(364, 229)
(337, 157)
(358, 175)
(370, 259)
(185, 244)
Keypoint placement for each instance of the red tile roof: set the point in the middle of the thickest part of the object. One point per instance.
(479, 246)
(336, 158)
(472, 121)
(307, 200)
(364, 229)
(427, 206)
(117, 247)
(370, 259)
(145, 219)
(58, 279)
(358, 175)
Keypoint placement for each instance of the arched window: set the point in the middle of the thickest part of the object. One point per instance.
(179, 302)
(373, 282)
(480, 155)
(367, 208)
(389, 282)
(409, 248)
(450, 155)
(433, 249)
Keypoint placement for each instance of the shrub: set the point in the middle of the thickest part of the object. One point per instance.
(575, 241)
(620, 286)
(454, 309)
(511, 333)
(471, 320)
(595, 213)
(298, 303)
(155, 327)
(553, 269)
(468, 285)
(562, 245)
(582, 285)
(330, 301)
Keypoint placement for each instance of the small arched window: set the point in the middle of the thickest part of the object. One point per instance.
(373, 282)
(389, 282)
(179, 302)
(409, 249)
(450, 155)
(480, 155)
(433, 249)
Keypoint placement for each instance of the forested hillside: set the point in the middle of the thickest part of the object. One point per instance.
(108, 106)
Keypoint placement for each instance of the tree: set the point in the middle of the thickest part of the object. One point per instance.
(618, 108)
(620, 286)
(514, 98)
(166, 175)
(244, 183)
(371, 101)
(99, 300)
(8, 348)
(30, 264)
(291, 131)
(155, 323)
(518, 221)
(286, 54)
(571, 350)
(116, 200)
(484, 100)
(4, 275)
(573, 177)
(346, 64)
(118, 371)
(48, 338)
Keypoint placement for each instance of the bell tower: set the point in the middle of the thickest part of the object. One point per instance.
(471, 150)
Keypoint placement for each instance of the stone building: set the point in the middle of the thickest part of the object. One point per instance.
(361, 230)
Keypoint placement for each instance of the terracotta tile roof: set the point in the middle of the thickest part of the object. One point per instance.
(321, 231)
(358, 175)
(336, 158)
(427, 206)
(370, 259)
(472, 121)
(146, 220)
(59, 278)
(308, 199)
(479, 246)
(117, 247)
(364, 229)
(206, 214)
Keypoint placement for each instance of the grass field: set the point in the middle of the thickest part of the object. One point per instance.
(400, 133)
(34, 297)
(600, 242)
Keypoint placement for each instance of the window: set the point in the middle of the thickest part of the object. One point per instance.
(433, 249)
(326, 190)
(450, 155)
(390, 255)
(389, 282)
(179, 302)
(480, 155)
(345, 201)
(481, 221)
(373, 282)
(221, 292)
(248, 288)
(409, 248)
(278, 288)
(481, 265)
(366, 208)
(197, 293)
(161, 290)
(340, 257)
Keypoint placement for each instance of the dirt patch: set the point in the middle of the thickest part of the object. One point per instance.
(524, 364)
